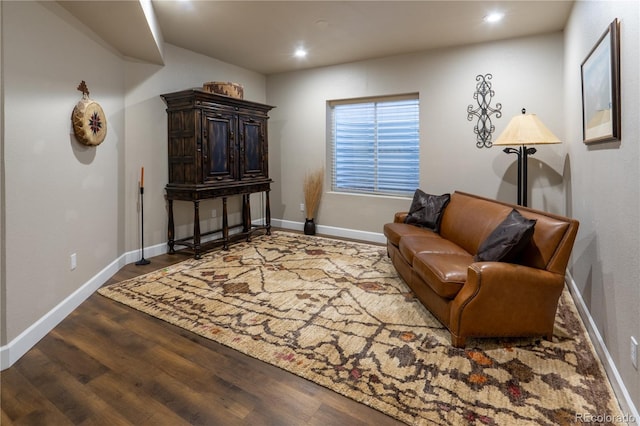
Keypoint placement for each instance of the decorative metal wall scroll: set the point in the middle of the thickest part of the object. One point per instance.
(484, 127)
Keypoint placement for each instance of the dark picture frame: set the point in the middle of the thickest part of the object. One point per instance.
(600, 73)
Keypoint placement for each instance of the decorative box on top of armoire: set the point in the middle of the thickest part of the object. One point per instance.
(218, 147)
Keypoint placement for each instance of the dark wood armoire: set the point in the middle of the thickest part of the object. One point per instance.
(218, 148)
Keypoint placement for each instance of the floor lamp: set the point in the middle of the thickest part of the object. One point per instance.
(524, 129)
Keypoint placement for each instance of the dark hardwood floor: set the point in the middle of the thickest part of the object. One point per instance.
(109, 364)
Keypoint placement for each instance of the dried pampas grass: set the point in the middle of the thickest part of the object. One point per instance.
(312, 187)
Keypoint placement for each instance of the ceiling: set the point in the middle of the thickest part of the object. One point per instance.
(262, 35)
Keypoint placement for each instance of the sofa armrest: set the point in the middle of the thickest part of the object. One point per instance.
(504, 299)
(399, 217)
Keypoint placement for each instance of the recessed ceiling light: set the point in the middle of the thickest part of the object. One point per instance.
(300, 52)
(494, 17)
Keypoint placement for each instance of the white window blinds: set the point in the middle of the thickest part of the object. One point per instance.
(376, 145)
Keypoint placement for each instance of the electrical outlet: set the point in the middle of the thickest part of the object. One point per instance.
(74, 261)
(302, 207)
(634, 352)
(214, 213)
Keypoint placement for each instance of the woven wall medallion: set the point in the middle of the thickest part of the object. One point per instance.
(88, 119)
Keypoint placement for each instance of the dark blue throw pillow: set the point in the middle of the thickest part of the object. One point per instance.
(426, 210)
(507, 240)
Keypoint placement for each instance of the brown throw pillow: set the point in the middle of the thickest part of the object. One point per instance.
(426, 210)
(507, 240)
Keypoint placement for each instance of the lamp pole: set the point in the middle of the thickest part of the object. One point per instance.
(523, 155)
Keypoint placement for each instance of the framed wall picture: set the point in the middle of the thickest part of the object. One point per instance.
(601, 88)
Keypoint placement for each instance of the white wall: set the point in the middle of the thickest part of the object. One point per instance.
(526, 72)
(61, 197)
(3, 298)
(603, 192)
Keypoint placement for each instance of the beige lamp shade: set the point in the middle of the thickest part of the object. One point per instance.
(526, 129)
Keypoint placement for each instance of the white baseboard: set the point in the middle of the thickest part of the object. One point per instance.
(373, 237)
(14, 350)
(626, 403)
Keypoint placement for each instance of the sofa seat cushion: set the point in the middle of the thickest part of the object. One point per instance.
(445, 273)
(410, 245)
(395, 231)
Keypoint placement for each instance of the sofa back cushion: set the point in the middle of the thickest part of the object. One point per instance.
(469, 219)
(551, 243)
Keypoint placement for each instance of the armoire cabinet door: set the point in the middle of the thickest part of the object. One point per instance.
(253, 148)
(219, 157)
(182, 147)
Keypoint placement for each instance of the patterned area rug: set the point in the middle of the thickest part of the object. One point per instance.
(336, 313)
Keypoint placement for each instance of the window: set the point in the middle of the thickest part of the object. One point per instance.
(375, 145)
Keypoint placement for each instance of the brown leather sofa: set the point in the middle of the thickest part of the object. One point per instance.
(484, 298)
